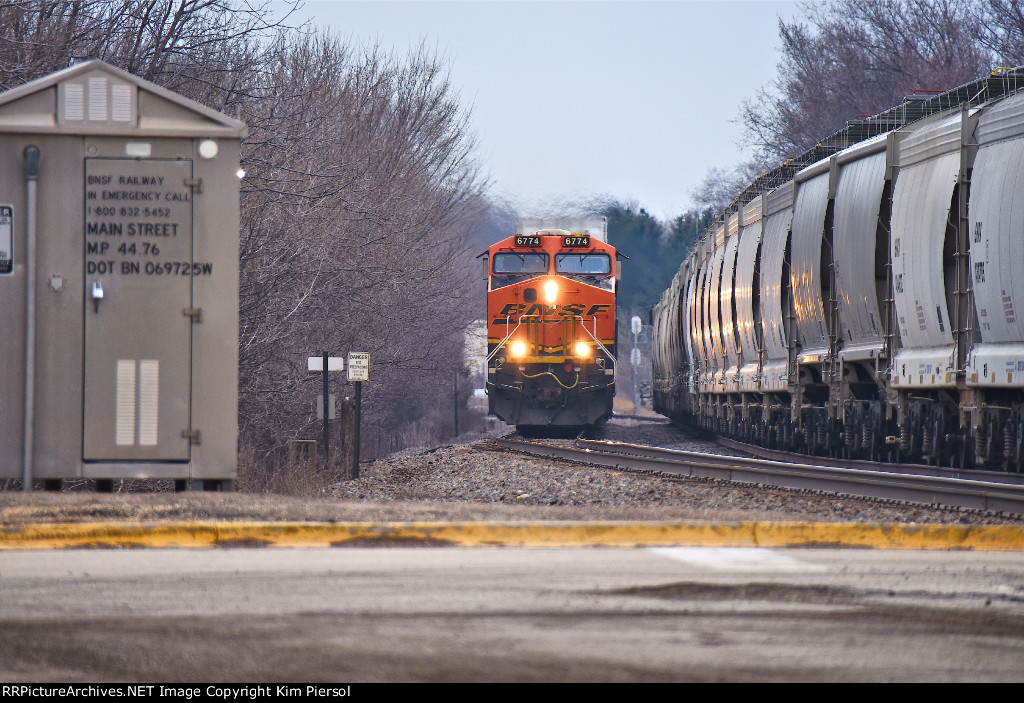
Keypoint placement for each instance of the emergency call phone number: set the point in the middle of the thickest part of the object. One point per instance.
(110, 211)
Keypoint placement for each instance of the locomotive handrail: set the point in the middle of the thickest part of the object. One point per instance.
(593, 335)
(507, 336)
(519, 323)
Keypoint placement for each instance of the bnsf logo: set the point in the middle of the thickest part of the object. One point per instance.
(515, 310)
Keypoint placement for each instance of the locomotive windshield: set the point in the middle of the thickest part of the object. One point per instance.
(516, 263)
(589, 268)
(512, 266)
(592, 264)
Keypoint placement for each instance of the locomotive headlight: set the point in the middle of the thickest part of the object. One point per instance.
(518, 348)
(550, 291)
(582, 349)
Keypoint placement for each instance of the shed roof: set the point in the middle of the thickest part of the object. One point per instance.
(95, 98)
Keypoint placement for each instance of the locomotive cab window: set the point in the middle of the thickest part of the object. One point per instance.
(592, 264)
(593, 269)
(512, 267)
(512, 263)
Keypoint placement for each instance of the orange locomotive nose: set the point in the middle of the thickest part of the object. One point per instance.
(551, 328)
(552, 316)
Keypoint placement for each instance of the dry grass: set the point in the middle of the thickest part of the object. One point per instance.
(298, 469)
(295, 470)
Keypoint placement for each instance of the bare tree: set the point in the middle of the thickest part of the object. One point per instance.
(358, 212)
(859, 57)
(720, 185)
(1001, 25)
(204, 49)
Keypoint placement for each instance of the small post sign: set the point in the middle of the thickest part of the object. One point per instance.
(359, 366)
(334, 363)
(6, 239)
(323, 364)
(331, 405)
(358, 371)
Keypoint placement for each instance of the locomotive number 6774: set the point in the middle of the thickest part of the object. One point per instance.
(551, 328)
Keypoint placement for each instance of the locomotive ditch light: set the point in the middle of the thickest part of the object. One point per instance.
(518, 349)
(582, 349)
(550, 291)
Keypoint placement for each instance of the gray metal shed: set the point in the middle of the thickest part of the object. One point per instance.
(119, 204)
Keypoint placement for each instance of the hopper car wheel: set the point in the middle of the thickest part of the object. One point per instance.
(966, 454)
(989, 443)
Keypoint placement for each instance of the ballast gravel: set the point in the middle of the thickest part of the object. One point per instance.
(477, 480)
(503, 484)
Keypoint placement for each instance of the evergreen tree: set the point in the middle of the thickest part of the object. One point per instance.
(655, 251)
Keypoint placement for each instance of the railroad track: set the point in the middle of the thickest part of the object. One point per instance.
(929, 487)
(641, 418)
(987, 476)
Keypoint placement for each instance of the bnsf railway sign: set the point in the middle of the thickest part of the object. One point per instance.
(518, 309)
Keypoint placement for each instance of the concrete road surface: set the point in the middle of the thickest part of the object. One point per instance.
(508, 614)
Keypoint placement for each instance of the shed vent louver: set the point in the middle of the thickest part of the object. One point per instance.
(74, 102)
(121, 103)
(97, 100)
(98, 110)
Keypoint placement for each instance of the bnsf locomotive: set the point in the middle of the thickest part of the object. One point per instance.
(867, 298)
(551, 327)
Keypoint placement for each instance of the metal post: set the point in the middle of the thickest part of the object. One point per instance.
(327, 415)
(456, 404)
(634, 358)
(636, 395)
(355, 438)
(31, 179)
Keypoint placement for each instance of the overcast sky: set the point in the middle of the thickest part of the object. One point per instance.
(572, 99)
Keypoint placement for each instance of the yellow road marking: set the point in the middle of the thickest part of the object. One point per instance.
(539, 534)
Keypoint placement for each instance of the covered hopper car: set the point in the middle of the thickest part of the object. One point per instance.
(867, 299)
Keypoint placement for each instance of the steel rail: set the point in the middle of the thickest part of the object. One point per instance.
(642, 418)
(985, 475)
(910, 488)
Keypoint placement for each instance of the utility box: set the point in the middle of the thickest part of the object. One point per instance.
(119, 224)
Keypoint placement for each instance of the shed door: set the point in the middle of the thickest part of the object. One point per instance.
(138, 287)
